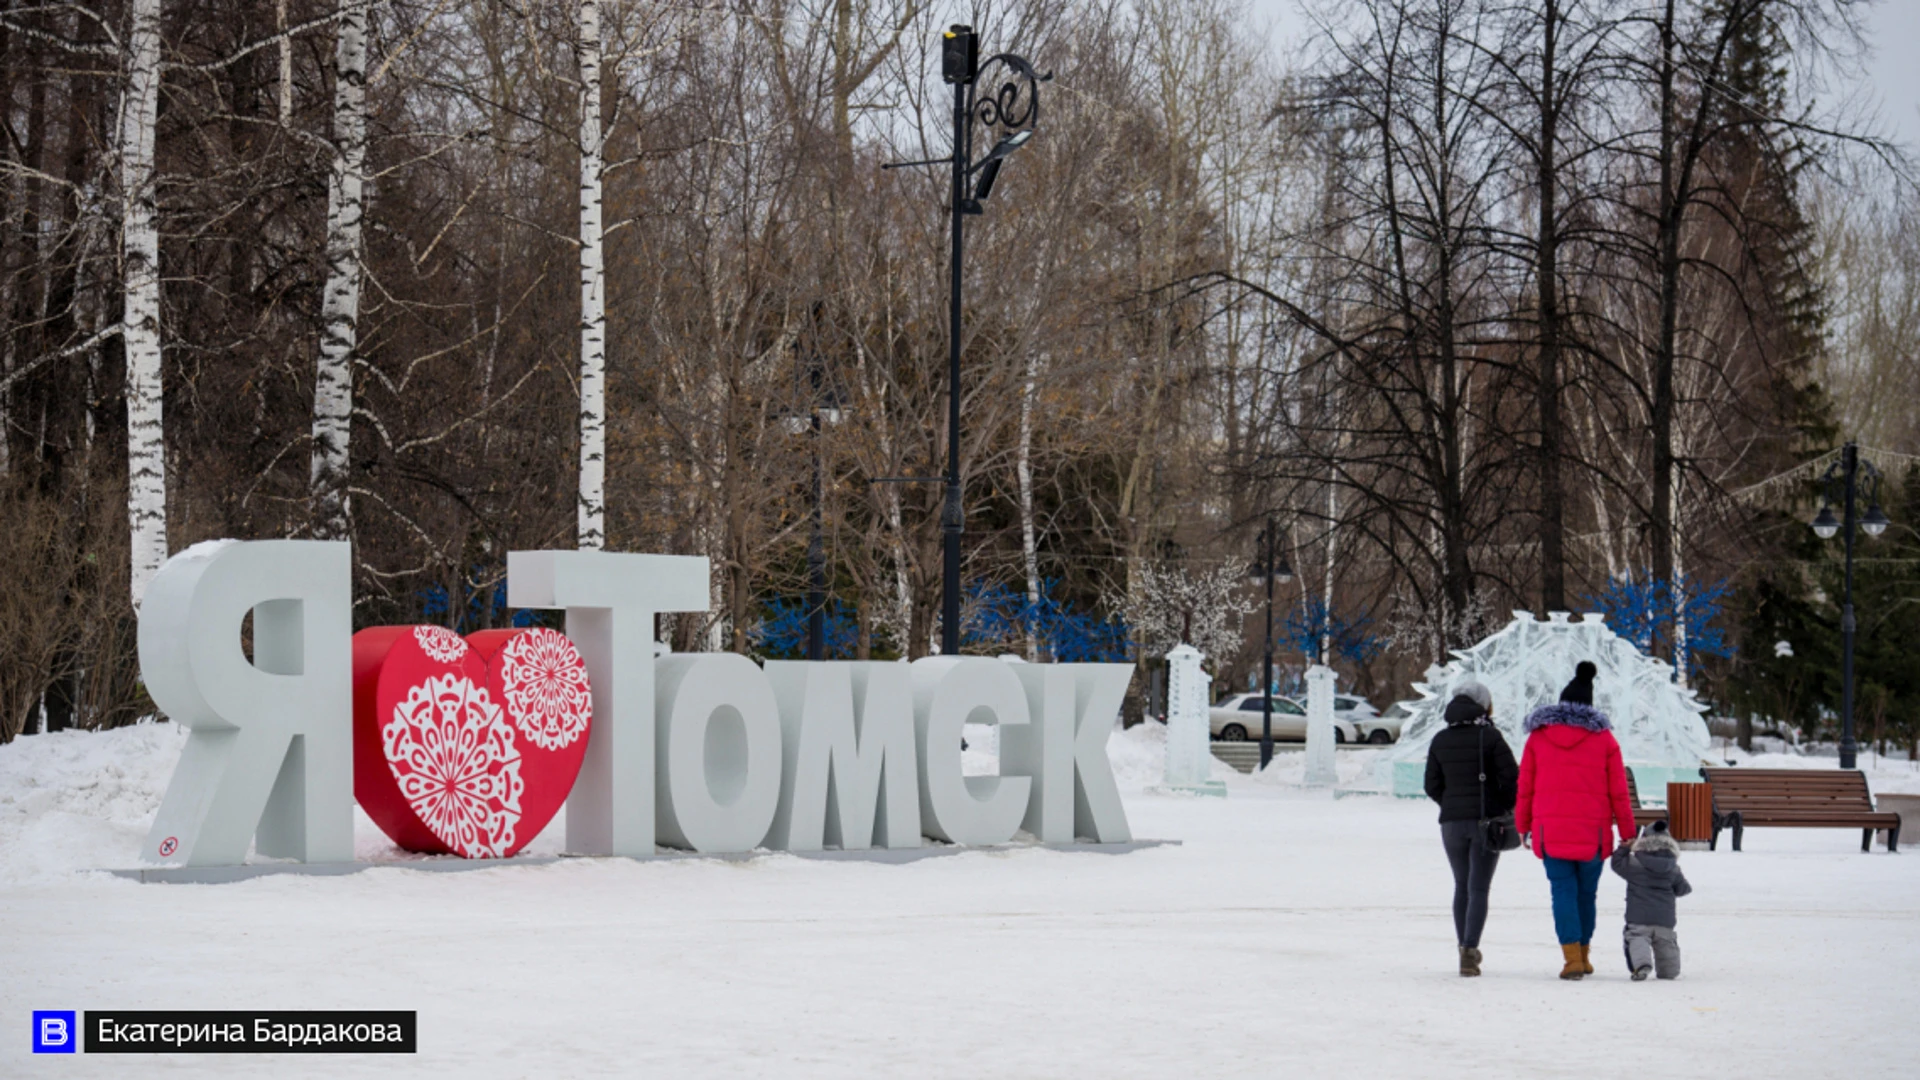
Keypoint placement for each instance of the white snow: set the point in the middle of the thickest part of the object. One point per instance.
(1292, 933)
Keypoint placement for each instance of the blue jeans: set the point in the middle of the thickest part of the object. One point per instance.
(1574, 885)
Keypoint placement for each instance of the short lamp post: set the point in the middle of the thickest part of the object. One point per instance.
(1270, 566)
(1845, 474)
(823, 409)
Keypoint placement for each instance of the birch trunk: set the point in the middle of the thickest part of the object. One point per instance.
(286, 65)
(1024, 467)
(340, 303)
(593, 299)
(140, 257)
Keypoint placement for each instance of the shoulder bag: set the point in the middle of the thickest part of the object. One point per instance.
(1498, 832)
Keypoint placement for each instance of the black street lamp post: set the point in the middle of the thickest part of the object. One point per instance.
(1270, 567)
(816, 541)
(1846, 473)
(1013, 106)
(823, 405)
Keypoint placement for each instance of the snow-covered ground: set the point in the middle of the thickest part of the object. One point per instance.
(1291, 933)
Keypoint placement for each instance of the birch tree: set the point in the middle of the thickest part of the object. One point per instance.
(593, 296)
(1023, 469)
(340, 303)
(140, 255)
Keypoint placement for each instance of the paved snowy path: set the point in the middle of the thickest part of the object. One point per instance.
(1292, 934)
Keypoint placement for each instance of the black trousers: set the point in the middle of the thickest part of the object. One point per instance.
(1473, 865)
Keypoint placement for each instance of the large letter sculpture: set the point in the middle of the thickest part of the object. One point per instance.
(719, 745)
(1065, 751)
(948, 691)
(1099, 690)
(611, 599)
(1043, 750)
(270, 754)
(848, 735)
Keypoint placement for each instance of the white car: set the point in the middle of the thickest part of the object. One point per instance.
(1371, 725)
(1238, 719)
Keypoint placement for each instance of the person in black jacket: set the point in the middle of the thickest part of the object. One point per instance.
(1472, 775)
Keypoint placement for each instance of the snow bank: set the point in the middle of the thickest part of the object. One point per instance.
(1139, 758)
(80, 799)
(1356, 768)
(75, 801)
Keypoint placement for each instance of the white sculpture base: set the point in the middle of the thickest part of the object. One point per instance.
(1321, 770)
(1189, 766)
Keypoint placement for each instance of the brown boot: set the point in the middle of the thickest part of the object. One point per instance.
(1469, 961)
(1575, 968)
(1586, 959)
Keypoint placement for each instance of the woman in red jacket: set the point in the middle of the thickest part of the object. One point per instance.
(1573, 797)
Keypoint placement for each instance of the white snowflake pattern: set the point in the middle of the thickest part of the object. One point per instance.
(545, 683)
(452, 751)
(441, 644)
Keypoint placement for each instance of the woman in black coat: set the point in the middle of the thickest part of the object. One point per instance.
(1472, 775)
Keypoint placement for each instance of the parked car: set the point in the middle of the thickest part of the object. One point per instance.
(1238, 719)
(1370, 723)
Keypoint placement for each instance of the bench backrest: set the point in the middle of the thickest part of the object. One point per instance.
(1788, 789)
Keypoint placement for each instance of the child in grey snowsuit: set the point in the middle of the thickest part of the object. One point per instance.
(1652, 869)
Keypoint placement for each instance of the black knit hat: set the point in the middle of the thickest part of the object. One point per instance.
(1580, 690)
(1463, 710)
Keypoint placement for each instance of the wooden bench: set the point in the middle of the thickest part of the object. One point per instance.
(1643, 816)
(1797, 798)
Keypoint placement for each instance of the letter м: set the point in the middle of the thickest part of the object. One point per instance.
(849, 757)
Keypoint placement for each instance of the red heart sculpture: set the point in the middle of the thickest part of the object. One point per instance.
(466, 746)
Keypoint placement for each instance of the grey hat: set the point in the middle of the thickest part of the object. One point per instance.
(1473, 688)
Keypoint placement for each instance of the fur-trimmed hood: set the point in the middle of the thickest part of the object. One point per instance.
(1569, 713)
(1656, 843)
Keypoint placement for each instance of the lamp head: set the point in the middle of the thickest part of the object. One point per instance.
(989, 166)
(1825, 525)
(1012, 142)
(1875, 522)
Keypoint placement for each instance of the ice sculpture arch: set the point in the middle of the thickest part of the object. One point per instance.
(1658, 722)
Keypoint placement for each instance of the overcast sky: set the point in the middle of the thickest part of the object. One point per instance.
(1892, 76)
